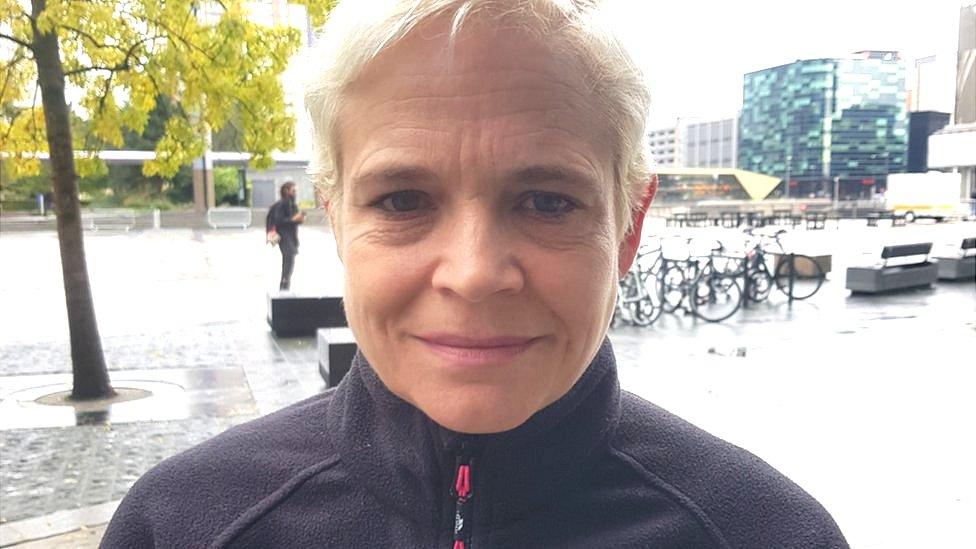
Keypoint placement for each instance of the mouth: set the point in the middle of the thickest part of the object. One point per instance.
(476, 351)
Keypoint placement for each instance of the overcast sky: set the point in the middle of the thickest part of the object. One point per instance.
(695, 52)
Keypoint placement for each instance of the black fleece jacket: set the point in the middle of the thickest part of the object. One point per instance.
(359, 467)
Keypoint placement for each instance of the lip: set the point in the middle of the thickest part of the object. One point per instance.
(476, 351)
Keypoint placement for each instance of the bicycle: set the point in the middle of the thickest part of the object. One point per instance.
(796, 275)
(699, 286)
(635, 303)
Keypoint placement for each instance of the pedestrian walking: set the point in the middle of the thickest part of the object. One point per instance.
(282, 223)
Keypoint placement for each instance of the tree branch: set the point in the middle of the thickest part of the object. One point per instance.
(17, 41)
(90, 38)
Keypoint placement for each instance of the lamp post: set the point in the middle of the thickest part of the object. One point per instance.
(836, 191)
(789, 164)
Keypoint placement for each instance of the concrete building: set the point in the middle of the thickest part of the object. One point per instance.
(710, 144)
(953, 148)
(665, 145)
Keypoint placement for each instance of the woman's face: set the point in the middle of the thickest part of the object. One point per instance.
(476, 226)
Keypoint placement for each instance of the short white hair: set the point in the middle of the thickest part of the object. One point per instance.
(357, 31)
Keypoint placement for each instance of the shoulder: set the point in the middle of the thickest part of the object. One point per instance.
(738, 496)
(195, 495)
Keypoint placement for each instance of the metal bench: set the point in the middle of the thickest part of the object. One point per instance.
(219, 218)
(962, 267)
(903, 266)
(336, 349)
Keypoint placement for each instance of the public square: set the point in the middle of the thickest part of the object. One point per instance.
(864, 401)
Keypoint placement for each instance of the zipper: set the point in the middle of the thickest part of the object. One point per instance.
(462, 493)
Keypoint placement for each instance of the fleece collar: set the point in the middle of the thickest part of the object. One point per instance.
(408, 462)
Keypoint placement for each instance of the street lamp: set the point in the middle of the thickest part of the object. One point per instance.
(789, 164)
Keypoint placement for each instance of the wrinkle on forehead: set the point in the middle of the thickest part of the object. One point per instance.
(404, 74)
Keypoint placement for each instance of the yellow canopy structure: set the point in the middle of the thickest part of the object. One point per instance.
(756, 185)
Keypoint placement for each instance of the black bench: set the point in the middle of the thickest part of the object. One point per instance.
(910, 268)
(962, 267)
(296, 316)
(336, 349)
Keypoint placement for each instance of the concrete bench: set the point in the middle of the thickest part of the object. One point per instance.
(294, 316)
(336, 349)
(219, 218)
(120, 219)
(910, 269)
(962, 267)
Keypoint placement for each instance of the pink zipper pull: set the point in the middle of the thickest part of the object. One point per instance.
(462, 483)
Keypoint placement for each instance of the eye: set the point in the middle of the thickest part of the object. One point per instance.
(548, 204)
(401, 202)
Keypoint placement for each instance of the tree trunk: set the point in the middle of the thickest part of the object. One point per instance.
(87, 360)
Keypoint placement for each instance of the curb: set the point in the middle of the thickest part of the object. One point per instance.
(55, 524)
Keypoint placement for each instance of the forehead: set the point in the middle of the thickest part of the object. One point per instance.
(496, 92)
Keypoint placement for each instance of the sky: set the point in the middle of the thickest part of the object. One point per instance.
(694, 52)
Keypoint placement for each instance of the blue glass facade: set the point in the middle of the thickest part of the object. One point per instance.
(813, 120)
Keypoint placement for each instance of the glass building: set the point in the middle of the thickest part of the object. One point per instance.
(820, 121)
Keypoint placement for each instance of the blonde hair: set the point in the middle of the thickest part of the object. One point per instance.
(359, 30)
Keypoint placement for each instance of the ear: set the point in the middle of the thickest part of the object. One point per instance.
(631, 241)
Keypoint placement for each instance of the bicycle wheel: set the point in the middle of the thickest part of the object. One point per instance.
(760, 284)
(643, 312)
(671, 286)
(807, 276)
(716, 297)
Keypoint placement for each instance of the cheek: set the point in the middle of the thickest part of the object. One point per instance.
(578, 287)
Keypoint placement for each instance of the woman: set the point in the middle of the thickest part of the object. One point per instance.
(485, 177)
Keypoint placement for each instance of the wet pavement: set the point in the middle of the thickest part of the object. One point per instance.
(866, 402)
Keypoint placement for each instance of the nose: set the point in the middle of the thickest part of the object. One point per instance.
(478, 259)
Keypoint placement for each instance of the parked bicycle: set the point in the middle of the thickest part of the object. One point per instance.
(638, 300)
(796, 275)
(701, 285)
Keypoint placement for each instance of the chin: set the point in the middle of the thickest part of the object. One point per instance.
(479, 417)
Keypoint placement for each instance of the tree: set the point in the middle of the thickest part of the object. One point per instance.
(208, 58)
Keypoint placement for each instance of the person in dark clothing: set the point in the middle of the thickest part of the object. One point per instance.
(283, 219)
(491, 192)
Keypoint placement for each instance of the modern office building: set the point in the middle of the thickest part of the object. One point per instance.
(818, 122)
(710, 144)
(921, 125)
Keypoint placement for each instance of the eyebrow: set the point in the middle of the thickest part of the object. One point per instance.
(541, 173)
(396, 174)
